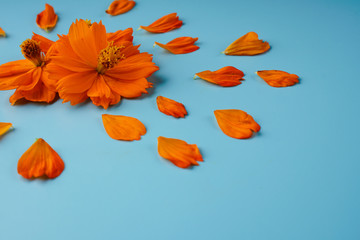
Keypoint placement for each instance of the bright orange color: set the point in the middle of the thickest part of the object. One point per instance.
(120, 6)
(40, 160)
(164, 24)
(277, 78)
(47, 19)
(28, 76)
(101, 66)
(2, 33)
(123, 127)
(179, 152)
(171, 107)
(180, 45)
(236, 123)
(4, 127)
(226, 76)
(247, 45)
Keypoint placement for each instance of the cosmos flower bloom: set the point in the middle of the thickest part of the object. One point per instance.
(4, 127)
(120, 6)
(164, 24)
(171, 107)
(247, 45)
(2, 33)
(225, 77)
(28, 76)
(47, 19)
(103, 67)
(179, 152)
(40, 160)
(180, 45)
(277, 78)
(123, 127)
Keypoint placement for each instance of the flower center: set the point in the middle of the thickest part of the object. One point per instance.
(31, 51)
(88, 22)
(109, 57)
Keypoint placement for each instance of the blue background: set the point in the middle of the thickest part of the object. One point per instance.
(297, 179)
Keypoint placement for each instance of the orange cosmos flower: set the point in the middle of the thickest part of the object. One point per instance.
(247, 45)
(102, 67)
(236, 123)
(171, 107)
(164, 24)
(28, 76)
(179, 152)
(47, 19)
(180, 45)
(277, 78)
(2, 33)
(123, 127)
(4, 127)
(120, 6)
(40, 160)
(226, 76)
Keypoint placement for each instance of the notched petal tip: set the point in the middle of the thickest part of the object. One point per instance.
(171, 107)
(123, 127)
(277, 78)
(225, 77)
(247, 45)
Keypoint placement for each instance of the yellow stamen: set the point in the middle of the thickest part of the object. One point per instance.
(88, 22)
(31, 51)
(109, 57)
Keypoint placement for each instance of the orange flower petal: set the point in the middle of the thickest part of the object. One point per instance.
(171, 107)
(226, 76)
(247, 45)
(179, 152)
(47, 19)
(40, 160)
(2, 33)
(120, 6)
(45, 43)
(4, 127)
(180, 45)
(164, 24)
(236, 123)
(277, 78)
(123, 127)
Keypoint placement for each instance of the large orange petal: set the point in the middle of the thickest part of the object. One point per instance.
(40, 160)
(16, 73)
(277, 78)
(128, 88)
(78, 82)
(236, 123)
(101, 94)
(180, 45)
(4, 127)
(45, 43)
(120, 36)
(2, 33)
(226, 76)
(123, 127)
(120, 6)
(247, 45)
(179, 152)
(171, 107)
(73, 98)
(47, 19)
(164, 24)
(40, 93)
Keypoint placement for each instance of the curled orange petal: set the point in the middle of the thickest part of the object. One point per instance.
(277, 78)
(171, 107)
(179, 152)
(180, 45)
(47, 19)
(2, 33)
(4, 127)
(40, 160)
(236, 123)
(226, 76)
(164, 24)
(120, 6)
(247, 45)
(123, 127)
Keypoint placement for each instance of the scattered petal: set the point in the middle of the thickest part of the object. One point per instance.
(47, 19)
(277, 78)
(180, 45)
(4, 127)
(179, 152)
(123, 127)
(171, 107)
(226, 76)
(164, 24)
(120, 6)
(236, 123)
(247, 45)
(40, 160)
(2, 33)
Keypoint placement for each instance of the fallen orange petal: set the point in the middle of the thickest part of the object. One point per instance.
(236, 123)
(40, 160)
(164, 24)
(4, 127)
(47, 19)
(247, 45)
(171, 107)
(120, 6)
(226, 76)
(179, 152)
(123, 127)
(277, 78)
(2, 33)
(180, 45)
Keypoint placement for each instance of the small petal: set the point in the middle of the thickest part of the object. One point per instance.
(179, 152)
(4, 127)
(120, 6)
(277, 78)
(47, 19)
(2, 33)
(180, 45)
(236, 123)
(164, 24)
(171, 107)
(226, 76)
(40, 160)
(247, 45)
(123, 127)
